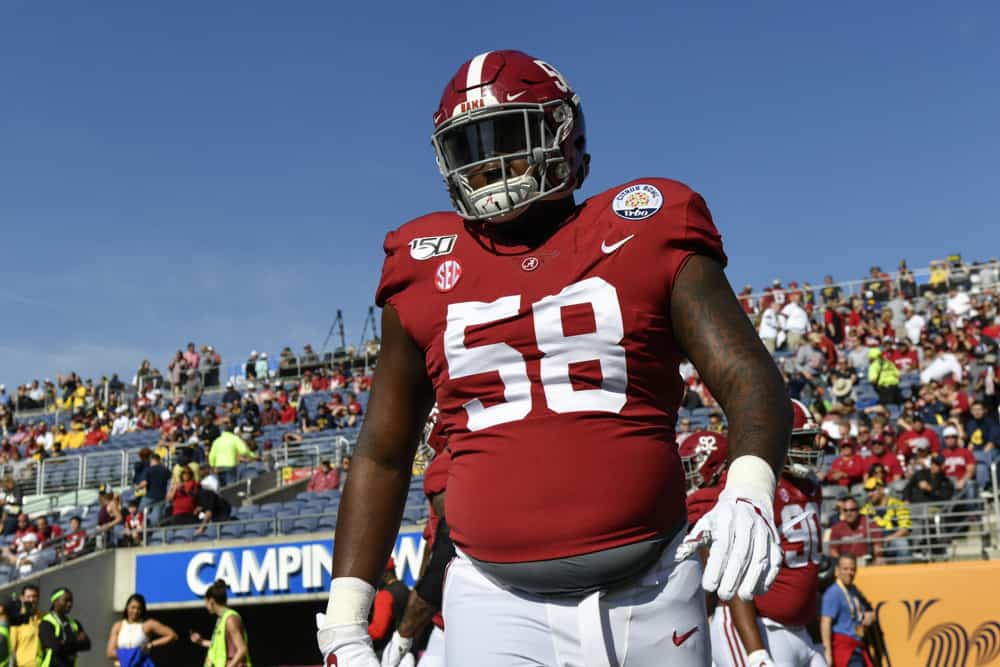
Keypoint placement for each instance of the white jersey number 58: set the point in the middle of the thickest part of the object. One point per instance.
(559, 351)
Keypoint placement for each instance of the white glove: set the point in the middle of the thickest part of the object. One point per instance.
(760, 658)
(397, 649)
(744, 552)
(345, 645)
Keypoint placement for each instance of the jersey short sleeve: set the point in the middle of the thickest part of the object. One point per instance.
(394, 278)
(695, 235)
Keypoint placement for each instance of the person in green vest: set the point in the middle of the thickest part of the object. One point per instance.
(5, 646)
(229, 646)
(60, 637)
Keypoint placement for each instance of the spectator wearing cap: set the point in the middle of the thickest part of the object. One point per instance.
(919, 437)
(982, 434)
(76, 437)
(12, 500)
(250, 367)
(931, 484)
(261, 368)
(892, 516)
(853, 533)
(959, 463)
(209, 505)
(847, 469)
(231, 395)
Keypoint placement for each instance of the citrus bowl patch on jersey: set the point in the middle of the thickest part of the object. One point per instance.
(637, 202)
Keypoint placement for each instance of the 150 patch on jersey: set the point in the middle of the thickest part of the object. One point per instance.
(637, 202)
(426, 247)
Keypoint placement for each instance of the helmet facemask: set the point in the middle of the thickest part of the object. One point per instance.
(804, 459)
(499, 160)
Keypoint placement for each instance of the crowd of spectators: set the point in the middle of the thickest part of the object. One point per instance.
(204, 441)
(902, 378)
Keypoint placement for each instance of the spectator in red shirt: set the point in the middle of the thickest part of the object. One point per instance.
(95, 436)
(76, 539)
(326, 478)
(388, 606)
(853, 533)
(881, 454)
(848, 468)
(269, 415)
(353, 409)
(320, 382)
(959, 464)
(918, 437)
(134, 521)
(904, 356)
(46, 532)
(746, 301)
(289, 414)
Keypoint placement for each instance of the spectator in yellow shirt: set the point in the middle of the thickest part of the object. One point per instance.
(24, 637)
(76, 436)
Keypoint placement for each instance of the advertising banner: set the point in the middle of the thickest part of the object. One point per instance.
(944, 614)
(255, 570)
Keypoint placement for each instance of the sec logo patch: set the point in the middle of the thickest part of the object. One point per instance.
(637, 202)
(447, 275)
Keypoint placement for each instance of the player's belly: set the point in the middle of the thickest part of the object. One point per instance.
(551, 492)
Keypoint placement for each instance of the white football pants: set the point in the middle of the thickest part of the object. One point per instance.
(789, 646)
(433, 655)
(658, 621)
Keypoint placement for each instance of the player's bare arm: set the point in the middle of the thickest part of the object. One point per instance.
(744, 615)
(716, 336)
(375, 492)
(720, 341)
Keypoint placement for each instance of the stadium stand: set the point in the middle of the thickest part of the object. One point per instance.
(899, 371)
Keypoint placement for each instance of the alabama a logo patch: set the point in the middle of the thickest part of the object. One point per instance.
(426, 247)
(637, 202)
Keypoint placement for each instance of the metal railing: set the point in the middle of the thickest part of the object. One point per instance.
(857, 287)
(938, 531)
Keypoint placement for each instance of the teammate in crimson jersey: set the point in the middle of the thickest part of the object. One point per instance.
(550, 334)
(792, 603)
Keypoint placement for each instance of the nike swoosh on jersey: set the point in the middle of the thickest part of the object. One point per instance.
(513, 96)
(678, 640)
(608, 249)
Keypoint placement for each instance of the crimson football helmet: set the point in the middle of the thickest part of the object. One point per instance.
(804, 458)
(508, 132)
(704, 455)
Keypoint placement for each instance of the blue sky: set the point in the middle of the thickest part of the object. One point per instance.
(225, 172)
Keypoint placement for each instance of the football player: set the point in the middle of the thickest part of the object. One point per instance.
(550, 332)
(704, 455)
(782, 614)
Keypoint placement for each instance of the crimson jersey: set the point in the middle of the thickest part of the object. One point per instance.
(555, 370)
(794, 597)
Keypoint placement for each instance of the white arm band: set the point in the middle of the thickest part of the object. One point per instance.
(752, 473)
(350, 601)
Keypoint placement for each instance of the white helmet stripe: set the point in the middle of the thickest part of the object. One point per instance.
(474, 77)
